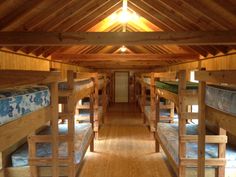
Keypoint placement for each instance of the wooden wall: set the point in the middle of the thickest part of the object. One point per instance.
(222, 62)
(9, 60)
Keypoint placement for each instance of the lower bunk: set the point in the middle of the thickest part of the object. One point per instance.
(83, 137)
(165, 116)
(167, 136)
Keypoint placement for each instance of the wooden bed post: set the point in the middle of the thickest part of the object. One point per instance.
(221, 153)
(55, 134)
(143, 98)
(172, 111)
(153, 104)
(92, 120)
(182, 122)
(96, 116)
(201, 129)
(104, 98)
(71, 123)
(157, 144)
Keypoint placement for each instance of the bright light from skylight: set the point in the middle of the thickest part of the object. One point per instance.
(123, 49)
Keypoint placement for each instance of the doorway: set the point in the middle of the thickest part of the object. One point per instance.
(122, 87)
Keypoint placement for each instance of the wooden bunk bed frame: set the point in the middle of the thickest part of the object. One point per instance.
(154, 92)
(183, 99)
(224, 121)
(97, 119)
(10, 135)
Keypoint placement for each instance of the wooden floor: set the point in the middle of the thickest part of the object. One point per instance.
(125, 148)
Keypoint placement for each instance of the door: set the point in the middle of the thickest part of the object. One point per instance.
(121, 87)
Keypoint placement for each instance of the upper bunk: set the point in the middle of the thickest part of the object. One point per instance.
(81, 84)
(167, 85)
(25, 97)
(220, 97)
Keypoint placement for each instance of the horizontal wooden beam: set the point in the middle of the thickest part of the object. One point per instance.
(125, 57)
(117, 38)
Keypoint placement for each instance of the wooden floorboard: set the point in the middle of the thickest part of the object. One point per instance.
(125, 148)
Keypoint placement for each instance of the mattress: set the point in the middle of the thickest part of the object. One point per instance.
(221, 98)
(168, 134)
(19, 101)
(82, 135)
(79, 85)
(163, 112)
(172, 86)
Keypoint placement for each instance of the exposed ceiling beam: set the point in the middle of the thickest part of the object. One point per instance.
(117, 38)
(126, 57)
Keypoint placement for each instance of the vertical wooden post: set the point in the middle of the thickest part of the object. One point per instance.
(71, 123)
(32, 154)
(96, 116)
(104, 98)
(153, 104)
(143, 99)
(182, 122)
(172, 111)
(92, 120)
(157, 144)
(221, 153)
(55, 133)
(201, 129)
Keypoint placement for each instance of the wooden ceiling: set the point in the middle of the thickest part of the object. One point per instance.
(100, 16)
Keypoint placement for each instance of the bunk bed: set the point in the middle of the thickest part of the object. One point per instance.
(28, 101)
(167, 107)
(82, 113)
(43, 156)
(217, 104)
(179, 140)
(82, 108)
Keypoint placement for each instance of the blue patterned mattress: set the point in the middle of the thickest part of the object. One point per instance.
(222, 99)
(82, 135)
(168, 134)
(19, 101)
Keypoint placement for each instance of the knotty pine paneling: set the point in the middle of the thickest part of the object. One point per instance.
(14, 61)
(21, 62)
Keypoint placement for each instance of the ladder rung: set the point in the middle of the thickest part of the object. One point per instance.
(189, 115)
(208, 162)
(66, 115)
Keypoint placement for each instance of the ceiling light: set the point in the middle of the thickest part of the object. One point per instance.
(123, 49)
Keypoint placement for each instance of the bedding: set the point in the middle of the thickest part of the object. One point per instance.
(168, 134)
(172, 86)
(221, 98)
(82, 135)
(19, 101)
(163, 112)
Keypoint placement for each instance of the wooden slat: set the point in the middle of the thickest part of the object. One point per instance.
(224, 76)
(189, 115)
(117, 38)
(126, 57)
(39, 118)
(208, 162)
(221, 119)
(12, 78)
(214, 139)
(166, 75)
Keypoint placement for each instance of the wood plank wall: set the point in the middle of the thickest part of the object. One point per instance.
(9, 60)
(222, 62)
